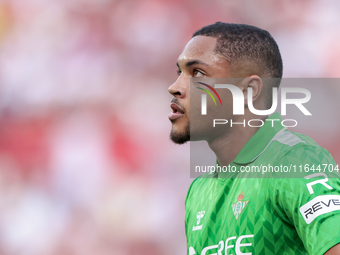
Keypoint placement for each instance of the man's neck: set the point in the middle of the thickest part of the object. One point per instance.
(227, 147)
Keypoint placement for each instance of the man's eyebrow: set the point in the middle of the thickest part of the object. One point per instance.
(193, 62)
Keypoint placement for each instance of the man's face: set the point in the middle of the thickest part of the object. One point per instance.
(198, 59)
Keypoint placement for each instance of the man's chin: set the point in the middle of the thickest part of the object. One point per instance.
(180, 137)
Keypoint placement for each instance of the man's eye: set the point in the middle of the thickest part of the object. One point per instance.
(197, 73)
(179, 72)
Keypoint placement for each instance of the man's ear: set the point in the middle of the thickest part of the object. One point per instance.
(255, 83)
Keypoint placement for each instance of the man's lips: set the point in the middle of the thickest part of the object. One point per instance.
(176, 113)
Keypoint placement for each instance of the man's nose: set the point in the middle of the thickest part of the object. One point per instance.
(178, 88)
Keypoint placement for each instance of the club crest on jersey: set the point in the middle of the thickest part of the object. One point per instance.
(239, 205)
(199, 217)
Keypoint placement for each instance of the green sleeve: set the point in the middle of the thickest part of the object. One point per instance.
(311, 204)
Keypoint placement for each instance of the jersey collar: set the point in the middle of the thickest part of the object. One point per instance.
(260, 140)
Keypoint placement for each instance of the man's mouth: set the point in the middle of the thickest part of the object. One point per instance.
(176, 113)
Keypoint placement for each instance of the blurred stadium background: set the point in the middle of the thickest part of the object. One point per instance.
(86, 165)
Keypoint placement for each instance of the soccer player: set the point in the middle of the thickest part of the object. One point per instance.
(250, 215)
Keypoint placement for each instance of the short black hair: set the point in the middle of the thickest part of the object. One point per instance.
(241, 42)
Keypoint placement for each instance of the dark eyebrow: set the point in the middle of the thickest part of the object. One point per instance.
(193, 62)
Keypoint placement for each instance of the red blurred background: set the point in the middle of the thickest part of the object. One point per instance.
(86, 165)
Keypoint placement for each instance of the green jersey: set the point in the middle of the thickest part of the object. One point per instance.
(267, 215)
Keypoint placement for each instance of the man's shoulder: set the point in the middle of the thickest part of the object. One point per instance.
(201, 182)
(297, 148)
(202, 179)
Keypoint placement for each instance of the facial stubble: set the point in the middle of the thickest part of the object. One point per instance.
(181, 137)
